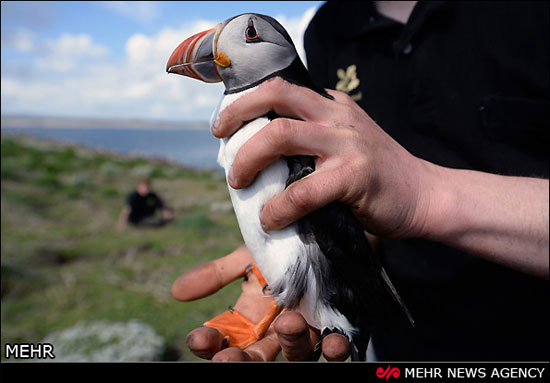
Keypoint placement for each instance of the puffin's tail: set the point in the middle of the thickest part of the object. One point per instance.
(395, 295)
(359, 345)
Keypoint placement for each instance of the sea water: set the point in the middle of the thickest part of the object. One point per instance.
(196, 148)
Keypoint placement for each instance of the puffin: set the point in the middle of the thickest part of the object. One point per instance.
(321, 265)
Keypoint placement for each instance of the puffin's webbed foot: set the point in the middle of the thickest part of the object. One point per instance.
(237, 329)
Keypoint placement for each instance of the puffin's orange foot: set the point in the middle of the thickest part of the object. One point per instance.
(261, 328)
(237, 329)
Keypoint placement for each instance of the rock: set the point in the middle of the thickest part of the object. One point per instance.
(221, 206)
(143, 171)
(105, 341)
(110, 169)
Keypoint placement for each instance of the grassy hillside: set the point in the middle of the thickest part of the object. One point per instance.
(63, 261)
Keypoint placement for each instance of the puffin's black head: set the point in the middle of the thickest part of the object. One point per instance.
(241, 51)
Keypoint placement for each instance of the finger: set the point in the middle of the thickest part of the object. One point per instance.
(231, 354)
(281, 137)
(340, 97)
(204, 342)
(209, 277)
(302, 197)
(277, 95)
(296, 339)
(265, 349)
(335, 347)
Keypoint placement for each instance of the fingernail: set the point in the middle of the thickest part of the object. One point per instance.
(231, 178)
(216, 125)
(264, 226)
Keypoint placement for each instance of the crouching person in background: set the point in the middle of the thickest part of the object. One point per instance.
(142, 207)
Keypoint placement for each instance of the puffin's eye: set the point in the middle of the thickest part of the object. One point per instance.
(251, 34)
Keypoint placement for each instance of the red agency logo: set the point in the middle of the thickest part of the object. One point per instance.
(389, 372)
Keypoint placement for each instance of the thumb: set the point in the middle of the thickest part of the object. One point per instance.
(295, 336)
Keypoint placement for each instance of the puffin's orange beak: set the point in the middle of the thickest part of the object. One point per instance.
(197, 58)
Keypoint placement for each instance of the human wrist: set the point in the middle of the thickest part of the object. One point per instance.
(452, 212)
(434, 218)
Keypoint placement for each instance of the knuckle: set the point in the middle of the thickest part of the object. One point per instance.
(354, 186)
(344, 128)
(228, 111)
(360, 164)
(273, 216)
(343, 97)
(354, 165)
(340, 94)
(279, 132)
(299, 197)
(227, 117)
(278, 84)
(348, 112)
(349, 101)
(279, 89)
(240, 158)
(273, 85)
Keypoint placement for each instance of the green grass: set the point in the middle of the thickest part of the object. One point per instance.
(62, 261)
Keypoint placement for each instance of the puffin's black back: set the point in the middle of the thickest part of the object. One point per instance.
(350, 281)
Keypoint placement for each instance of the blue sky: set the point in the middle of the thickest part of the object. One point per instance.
(106, 59)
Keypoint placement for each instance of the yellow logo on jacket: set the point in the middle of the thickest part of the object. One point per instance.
(349, 82)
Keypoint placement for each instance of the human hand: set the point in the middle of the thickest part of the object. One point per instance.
(121, 226)
(289, 333)
(167, 214)
(356, 161)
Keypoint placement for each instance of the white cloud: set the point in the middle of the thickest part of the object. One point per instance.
(89, 82)
(80, 45)
(22, 40)
(66, 52)
(143, 12)
(136, 86)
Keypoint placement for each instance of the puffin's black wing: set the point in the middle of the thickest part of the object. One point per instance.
(350, 276)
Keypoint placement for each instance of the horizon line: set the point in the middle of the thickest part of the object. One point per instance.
(65, 122)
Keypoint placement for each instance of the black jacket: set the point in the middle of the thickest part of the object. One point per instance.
(463, 85)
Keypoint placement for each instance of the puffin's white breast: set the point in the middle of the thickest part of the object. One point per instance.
(274, 252)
